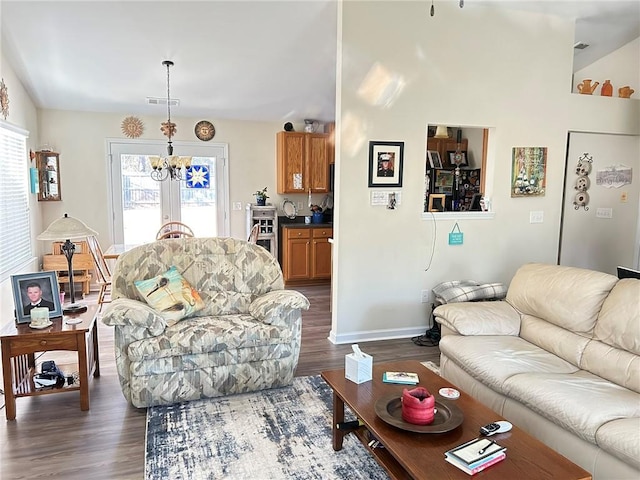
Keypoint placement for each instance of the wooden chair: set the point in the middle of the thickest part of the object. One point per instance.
(102, 269)
(174, 230)
(253, 235)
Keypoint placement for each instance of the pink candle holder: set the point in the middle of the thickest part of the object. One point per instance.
(418, 406)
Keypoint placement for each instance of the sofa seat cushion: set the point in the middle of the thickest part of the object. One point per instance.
(200, 361)
(579, 402)
(209, 334)
(494, 359)
(621, 438)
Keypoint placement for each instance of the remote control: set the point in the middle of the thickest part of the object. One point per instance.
(495, 427)
(489, 429)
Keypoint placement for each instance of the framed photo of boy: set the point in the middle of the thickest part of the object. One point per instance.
(31, 290)
(385, 164)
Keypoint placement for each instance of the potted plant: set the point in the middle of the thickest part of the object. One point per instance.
(261, 197)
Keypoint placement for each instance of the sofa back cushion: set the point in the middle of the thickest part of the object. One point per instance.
(568, 297)
(619, 320)
(614, 353)
(226, 272)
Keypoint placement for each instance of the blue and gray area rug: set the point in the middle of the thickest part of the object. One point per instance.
(283, 433)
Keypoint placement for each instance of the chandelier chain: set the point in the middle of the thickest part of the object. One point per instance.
(169, 99)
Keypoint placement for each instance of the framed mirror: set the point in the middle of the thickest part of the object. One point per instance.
(48, 165)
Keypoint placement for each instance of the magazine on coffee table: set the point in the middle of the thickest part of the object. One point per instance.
(404, 378)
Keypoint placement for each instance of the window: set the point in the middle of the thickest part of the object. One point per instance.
(15, 232)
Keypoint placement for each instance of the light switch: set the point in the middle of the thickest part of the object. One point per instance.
(536, 217)
(604, 213)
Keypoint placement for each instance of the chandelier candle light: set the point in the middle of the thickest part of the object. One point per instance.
(170, 166)
(67, 229)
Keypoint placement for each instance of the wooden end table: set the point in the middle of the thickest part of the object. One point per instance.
(20, 343)
(408, 455)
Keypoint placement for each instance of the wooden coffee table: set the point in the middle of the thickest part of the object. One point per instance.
(421, 455)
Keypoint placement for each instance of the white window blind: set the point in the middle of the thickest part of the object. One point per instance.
(15, 232)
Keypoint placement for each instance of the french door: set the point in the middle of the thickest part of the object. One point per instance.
(141, 205)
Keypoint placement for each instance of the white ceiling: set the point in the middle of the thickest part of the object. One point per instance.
(258, 60)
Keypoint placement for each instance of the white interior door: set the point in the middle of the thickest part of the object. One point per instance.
(606, 234)
(141, 205)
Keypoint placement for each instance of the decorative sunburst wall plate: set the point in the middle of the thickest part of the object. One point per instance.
(4, 99)
(132, 127)
(205, 130)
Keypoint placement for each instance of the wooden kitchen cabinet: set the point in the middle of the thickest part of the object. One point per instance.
(307, 255)
(302, 162)
(321, 253)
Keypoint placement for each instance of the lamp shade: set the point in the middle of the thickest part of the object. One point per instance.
(66, 228)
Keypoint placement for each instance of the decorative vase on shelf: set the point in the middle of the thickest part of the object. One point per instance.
(607, 89)
(586, 88)
(625, 92)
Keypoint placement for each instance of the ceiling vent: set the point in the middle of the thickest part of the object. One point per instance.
(162, 101)
(580, 45)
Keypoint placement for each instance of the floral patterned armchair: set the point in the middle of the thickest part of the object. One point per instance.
(246, 338)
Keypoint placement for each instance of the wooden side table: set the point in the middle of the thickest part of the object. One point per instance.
(20, 343)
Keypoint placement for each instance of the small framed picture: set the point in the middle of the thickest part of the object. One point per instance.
(436, 202)
(32, 290)
(385, 164)
(476, 202)
(459, 158)
(434, 159)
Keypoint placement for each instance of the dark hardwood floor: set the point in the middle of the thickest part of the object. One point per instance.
(52, 439)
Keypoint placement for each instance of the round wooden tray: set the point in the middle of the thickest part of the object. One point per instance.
(447, 417)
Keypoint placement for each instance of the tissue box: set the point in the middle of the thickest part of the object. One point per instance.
(358, 369)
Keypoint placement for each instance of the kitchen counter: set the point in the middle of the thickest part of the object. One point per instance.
(307, 225)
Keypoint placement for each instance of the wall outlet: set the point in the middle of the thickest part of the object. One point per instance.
(536, 217)
(237, 205)
(624, 197)
(426, 296)
(604, 213)
(300, 207)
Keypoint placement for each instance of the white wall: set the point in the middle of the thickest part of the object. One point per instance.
(22, 113)
(472, 67)
(79, 137)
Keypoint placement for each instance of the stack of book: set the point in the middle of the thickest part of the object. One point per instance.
(403, 378)
(474, 456)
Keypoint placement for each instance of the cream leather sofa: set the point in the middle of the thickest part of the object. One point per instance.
(246, 338)
(559, 358)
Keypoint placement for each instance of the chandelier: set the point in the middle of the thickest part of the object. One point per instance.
(170, 166)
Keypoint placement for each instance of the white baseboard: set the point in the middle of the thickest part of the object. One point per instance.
(374, 335)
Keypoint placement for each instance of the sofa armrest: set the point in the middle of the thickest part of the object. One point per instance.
(479, 318)
(133, 313)
(271, 306)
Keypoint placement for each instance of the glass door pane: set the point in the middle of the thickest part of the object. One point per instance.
(142, 205)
